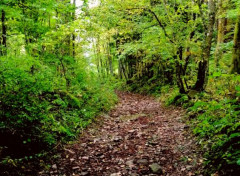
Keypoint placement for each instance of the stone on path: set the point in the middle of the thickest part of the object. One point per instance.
(156, 168)
(142, 161)
(130, 163)
(116, 174)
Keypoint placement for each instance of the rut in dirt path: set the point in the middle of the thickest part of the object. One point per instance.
(138, 137)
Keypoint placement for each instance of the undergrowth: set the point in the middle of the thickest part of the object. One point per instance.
(214, 118)
(39, 110)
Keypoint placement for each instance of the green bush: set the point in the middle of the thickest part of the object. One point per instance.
(217, 125)
(38, 109)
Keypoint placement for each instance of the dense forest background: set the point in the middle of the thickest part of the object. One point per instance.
(61, 60)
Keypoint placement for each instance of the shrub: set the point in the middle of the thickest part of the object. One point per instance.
(218, 128)
(37, 108)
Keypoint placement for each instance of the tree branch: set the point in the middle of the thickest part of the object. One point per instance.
(148, 27)
(158, 20)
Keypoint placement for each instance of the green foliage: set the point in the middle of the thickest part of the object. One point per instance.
(49, 86)
(177, 99)
(37, 110)
(165, 48)
(48, 91)
(214, 118)
(218, 127)
(58, 70)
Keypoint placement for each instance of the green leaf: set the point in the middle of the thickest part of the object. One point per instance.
(238, 162)
(217, 74)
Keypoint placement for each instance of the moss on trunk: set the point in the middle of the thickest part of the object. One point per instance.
(236, 49)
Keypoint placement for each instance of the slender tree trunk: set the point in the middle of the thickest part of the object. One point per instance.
(220, 40)
(4, 34)
(123, 69)
(25, 28)
(120, 70)
(49, 21)
(65, 74)
(179, 70)
(110, 64)
(203, 66)
(73, 35)
(221, 32)
(102, 66)
(236, 49)
(96, 57)
(110, 57)
(100, 61)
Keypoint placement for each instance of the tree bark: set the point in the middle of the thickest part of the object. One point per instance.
(110, 64)
(221, 32)
(236, 48)
(179, 70)
(65, 74)
(203, 66)
(123, 70)
(73, 35)
(110, 60)
(4, 34)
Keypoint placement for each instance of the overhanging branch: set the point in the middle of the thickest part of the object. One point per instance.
(158, 20)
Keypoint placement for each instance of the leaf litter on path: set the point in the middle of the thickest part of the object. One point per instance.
(138, 137)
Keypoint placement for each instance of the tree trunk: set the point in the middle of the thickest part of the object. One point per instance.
(123, 70)
(4, 34)
(221, 32)
(110, 60)
(203, 66)
(73, 35)
(120, 70)
(236, 49)
(110, 64)
(65, 74)
(179, 70)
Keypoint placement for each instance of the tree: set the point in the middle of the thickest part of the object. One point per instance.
(203, 65)
(236, 48)
(3, 43)
(221, 22)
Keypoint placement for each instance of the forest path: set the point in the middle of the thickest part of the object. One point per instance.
(138, 137)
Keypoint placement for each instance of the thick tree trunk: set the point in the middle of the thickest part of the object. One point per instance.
(201, 76)
(236, 49)
(203, 66)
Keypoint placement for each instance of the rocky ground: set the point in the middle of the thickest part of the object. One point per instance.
(138, 137)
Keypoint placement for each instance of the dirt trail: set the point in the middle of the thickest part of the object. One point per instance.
(138, 137)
